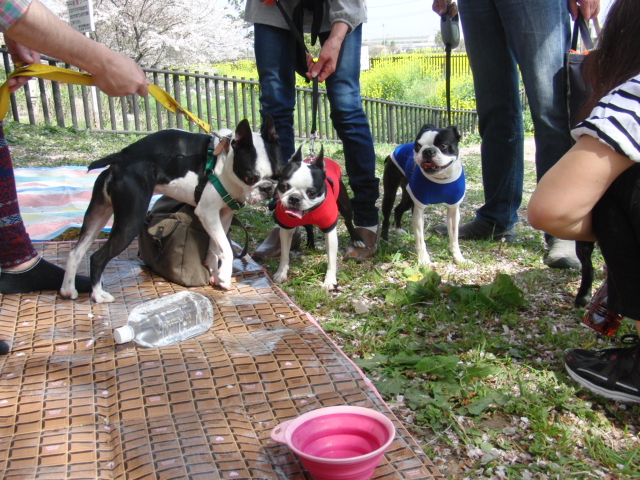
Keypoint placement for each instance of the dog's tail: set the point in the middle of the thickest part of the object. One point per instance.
(104, 162)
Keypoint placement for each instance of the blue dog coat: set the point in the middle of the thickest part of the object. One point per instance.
(423, 190)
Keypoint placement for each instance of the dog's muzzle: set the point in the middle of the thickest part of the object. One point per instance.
(267, 188)
(430, 167)
(292, 206)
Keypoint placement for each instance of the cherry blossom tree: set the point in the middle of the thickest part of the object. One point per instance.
(160, 33)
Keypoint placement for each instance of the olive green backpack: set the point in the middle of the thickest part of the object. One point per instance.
(173, 243)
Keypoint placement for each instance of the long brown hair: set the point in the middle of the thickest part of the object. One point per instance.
(616, 59)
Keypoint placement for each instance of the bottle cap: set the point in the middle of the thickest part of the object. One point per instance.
(124, 334)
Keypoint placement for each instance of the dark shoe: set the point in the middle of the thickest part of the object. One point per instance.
(474, 230)
(270, 246)
(562, 254)
(612, 373)
(363, 253)
(41, 276)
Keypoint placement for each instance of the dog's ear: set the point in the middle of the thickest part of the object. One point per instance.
(244, 136)
(292, 165)
(454, 129)
(268, 129)
(297, 157)
(318, 162)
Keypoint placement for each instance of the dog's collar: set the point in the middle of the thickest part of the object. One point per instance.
(212, 156)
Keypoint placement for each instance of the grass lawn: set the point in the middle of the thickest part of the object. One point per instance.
(469, 357)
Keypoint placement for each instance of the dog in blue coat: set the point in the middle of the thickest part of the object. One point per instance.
(429, 171)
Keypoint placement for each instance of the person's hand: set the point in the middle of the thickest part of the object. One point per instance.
(20, 54)
(118, 75)
(328, 58)
(327, 61)
(440, 7)
(589, 8)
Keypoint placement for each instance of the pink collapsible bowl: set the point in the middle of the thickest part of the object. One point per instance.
(338, 443)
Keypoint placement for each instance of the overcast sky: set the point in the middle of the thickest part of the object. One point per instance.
(393, 18)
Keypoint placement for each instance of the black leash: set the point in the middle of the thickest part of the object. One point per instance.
(450, 29)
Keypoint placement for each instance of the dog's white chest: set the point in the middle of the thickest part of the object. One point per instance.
(180, 188)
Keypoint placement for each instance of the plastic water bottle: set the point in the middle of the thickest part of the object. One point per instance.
(167, 320)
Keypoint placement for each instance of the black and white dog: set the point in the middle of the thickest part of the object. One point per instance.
(430, 172)
(174, 163)
(312, 194)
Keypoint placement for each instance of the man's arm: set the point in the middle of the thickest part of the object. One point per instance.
(39, 30)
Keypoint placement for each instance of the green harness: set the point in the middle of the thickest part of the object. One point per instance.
(215, 181)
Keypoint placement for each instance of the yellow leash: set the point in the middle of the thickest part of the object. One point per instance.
(58, 74)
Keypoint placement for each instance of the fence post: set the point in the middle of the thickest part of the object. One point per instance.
(44, 101)
(236, 108)
(7, 70)
(198, 94)
(167, 87)
(176, 95)
(156, 81)
(207, 94)
(255, 114)
(57, 100)
(391, 124)
(85, 106)
(187, 89)
(125, 112)
(217, 91)
(243, 89)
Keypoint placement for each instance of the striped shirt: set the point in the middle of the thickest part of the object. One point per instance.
(10, 11)
(615, 120)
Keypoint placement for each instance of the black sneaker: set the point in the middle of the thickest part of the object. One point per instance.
(475, 230)
(612, 373)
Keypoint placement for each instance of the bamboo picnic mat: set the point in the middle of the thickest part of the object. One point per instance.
(75, 405)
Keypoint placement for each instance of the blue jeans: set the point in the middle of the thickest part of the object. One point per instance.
(278, 97)
(500, 36)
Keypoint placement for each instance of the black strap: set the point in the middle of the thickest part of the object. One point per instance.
(314, 104)
(580, 25)
(237, 223)
(447, 49)
(197, 192)
(294, 30)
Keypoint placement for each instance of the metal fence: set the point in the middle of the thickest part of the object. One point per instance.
(432, 62)
(220, 101)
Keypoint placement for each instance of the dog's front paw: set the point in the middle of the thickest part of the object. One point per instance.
(329, 283)
(400, 232)
(422, 253)
(224, 284)
(69, 293)
(460, 260)
(100, 296)
(281, 275)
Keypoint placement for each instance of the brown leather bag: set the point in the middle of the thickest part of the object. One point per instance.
(173, 243)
